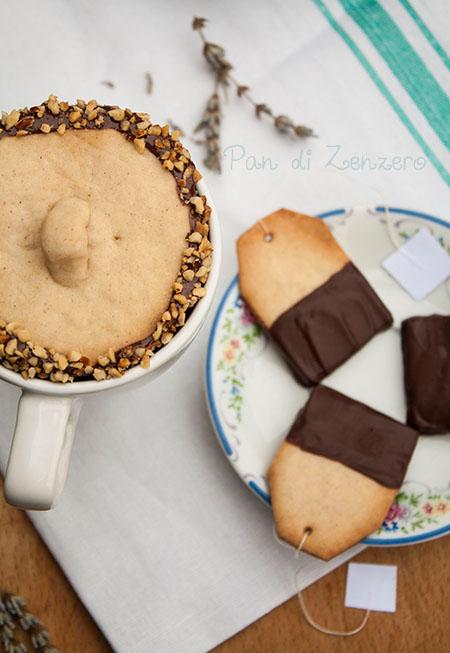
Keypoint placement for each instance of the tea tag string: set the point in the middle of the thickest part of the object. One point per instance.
(304, 609)
(301, 598)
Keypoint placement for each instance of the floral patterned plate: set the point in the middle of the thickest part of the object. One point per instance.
(253, 398)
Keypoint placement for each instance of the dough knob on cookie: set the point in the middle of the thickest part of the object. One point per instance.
(64, 239)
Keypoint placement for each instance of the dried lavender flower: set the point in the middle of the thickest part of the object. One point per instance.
(148, 83)
(39, 637)
(241, 90)
(210, 126)
(199, 23)
(215, 56)
(283, 124)
(14, 604)
(27, 620)
(262, 108)
(303, 131)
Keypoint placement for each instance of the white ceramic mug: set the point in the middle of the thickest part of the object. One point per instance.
(47, 412)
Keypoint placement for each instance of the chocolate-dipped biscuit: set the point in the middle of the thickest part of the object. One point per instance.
(337, 472)
(307, 294)
(426, 358)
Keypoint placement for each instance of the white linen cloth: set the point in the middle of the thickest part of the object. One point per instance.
(164, 544)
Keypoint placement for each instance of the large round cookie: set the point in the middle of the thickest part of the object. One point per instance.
(134, 239)
(101, 237)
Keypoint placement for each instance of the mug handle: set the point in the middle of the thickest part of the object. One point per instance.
(40, 451)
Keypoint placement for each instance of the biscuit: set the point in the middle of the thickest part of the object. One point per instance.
(337, 473)
(136, 239)
(426, 358)
(104, 250)
(307, 294)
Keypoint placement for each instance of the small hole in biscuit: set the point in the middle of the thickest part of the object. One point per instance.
(268, 237)
(307, 531)
(117, 237)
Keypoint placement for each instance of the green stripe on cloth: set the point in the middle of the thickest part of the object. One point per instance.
(384, 90)
(404, 62)
(428, 34)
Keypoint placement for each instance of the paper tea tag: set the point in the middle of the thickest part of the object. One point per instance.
(419, 265)
(372, 587)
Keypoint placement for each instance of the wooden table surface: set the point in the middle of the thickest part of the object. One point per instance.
(421, 623)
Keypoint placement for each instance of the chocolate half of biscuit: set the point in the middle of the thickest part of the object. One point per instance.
(337, 473)
(426, 356)
(329, 325)
(333, 425)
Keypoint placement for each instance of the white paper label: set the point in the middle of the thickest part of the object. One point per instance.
(372, 587)
(419, 265)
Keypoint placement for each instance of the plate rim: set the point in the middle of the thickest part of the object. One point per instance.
(214, 414)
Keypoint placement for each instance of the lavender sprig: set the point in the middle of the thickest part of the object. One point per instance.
(215, 55)
(13, 613)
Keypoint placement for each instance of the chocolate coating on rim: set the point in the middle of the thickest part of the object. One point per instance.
(33, 361)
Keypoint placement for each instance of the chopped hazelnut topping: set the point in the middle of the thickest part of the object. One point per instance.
(139, 144)
(117, 114)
